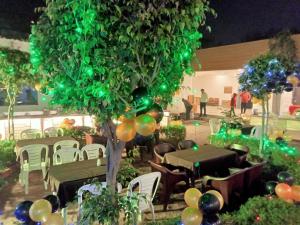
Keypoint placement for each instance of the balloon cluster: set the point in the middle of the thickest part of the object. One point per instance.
(67, 123)
(202, 209)
(280, 137)
(40, 211)
(284, 188)
(148, 115)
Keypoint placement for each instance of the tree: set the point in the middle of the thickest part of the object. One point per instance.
(14, 75)
(94, 54)
(261, 76)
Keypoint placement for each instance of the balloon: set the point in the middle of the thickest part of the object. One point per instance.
(218, 195)
(285, 177)
(211, 220)
(296, 193)
(126, 131)
(270, 187)
(191, 197)
(37, 86)
(191, 216)
(283, 191)
(141, 97)
(54, 219)
(145, 124)
(22, 211)
(39, 210)
(293, 80)
(209, 203)
(54, 201)
(156, 112)
(288, 87)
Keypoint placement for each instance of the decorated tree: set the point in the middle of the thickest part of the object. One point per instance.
(262, 76)
(14, 75)
(113, 58)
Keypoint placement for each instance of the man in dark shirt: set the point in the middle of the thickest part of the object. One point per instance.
(188, 108)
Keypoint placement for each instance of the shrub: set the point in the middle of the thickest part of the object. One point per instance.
(7, 155)
(264, 211)
(174, 133)
(106, 207)
(172, 221)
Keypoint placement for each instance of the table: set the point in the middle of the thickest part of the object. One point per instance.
(66, 179)
(206, 159)
(50, 141)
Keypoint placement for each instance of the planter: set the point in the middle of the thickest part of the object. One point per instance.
(95, 139)
(9, 170)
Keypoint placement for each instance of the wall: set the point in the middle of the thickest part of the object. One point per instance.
(235, 56)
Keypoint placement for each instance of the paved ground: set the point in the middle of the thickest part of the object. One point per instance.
(13, 193)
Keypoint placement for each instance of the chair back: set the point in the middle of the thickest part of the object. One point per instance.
(147, 184)
(31, 134)
(186, 144)
(158, 167)
(65, 155)
(214, 125)
(161, 149)
(53, 132)
(65, 144)
(94, 189)
(34, 153)
(256, 132)
(253, 174)
(91, 151)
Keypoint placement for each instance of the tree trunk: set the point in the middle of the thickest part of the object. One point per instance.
(261, 143)
(114, 152)
(11, 96)
(267, 115)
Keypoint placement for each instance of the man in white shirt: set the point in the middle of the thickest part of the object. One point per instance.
(203, 102)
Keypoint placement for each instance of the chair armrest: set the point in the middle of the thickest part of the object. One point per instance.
(208, 178)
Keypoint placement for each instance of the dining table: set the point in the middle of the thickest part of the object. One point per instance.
(49, 141)
(207, 159)
(64, 180)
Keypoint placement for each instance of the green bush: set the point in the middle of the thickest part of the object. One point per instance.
(172, 221)
(270, 212)
(174, 133)
(7, 154)
(106, 208)
(127, 171)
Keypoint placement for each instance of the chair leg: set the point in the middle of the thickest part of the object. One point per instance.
(64, 215)
(44, 175)
(21, 179)
(152, 211)
(26, 180)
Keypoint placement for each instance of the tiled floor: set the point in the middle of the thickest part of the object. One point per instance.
(13, 193)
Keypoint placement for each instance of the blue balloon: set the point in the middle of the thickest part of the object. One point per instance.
(22, 211)
(211, 220)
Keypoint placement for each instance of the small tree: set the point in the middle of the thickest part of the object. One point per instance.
(96, 53)
(14, 75)
(261, 76)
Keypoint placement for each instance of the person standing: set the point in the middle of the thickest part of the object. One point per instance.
(188, 108)
(233, 104)
(203, 103)
(245, 98)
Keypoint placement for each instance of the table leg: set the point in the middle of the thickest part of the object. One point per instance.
(64, 215)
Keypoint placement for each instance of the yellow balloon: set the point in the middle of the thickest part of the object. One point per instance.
(219, 196)
(54, 219)
(39, 210)
(145, 124)
(191, 197)
(38, 86)
(126, 130)
(293, 80)
(191, 216)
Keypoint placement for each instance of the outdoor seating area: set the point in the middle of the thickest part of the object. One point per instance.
(149, 112)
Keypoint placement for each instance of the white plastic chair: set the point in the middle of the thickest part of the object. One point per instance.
(92, 151)
(147, 184)
(65, 155)
(31, 134)
(34, 162)
(256, 132)
(65, 144)
(53, 132)
(214, 125)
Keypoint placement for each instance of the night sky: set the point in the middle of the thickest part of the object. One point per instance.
(237, 21)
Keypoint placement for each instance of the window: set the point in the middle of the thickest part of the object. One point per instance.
(28, 96)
